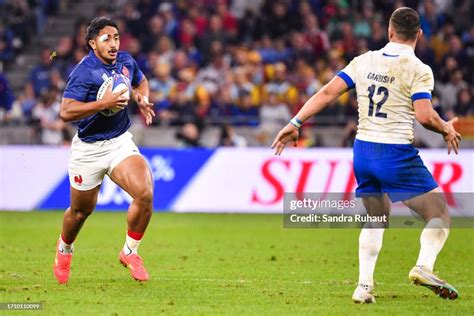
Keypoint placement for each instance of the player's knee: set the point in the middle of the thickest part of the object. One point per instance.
(145, 198)
(80, 213)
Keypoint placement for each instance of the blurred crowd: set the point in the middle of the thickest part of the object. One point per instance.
(249, 62)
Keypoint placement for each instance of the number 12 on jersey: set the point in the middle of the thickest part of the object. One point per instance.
(381, 90)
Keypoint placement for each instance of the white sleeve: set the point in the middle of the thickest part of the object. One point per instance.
(423, 83)
(348, 74)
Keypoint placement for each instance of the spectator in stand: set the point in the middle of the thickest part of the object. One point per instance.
(21, 20)
(134, 21)
(301, 49)
(161, 86)
(280, 86)
(241, 87)
(6, 43)
(424, 52)
(274, 113)
(245, 113)
(39, 76)
(211, 77)
(229, 22)
(51, 126)
(199, 19)
(277, 23)
(317, 38)
(170, 21)
(362, 27)
(379, 35)
(78, 54)
(64, 52)
(181, 110)
(187, 35)
(440, 40)
(6, 99)
(155, 30)
(449, 92)
(468, 43)
(80, 34)
(215, 33)
(430, 19)
(135, 49)
(229, 138)
(165, 48)
(464, 106)
(189, 135)
(56, 80)
(180, 62)
(125, 35)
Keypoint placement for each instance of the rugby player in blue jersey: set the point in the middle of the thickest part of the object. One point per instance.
(103, 145)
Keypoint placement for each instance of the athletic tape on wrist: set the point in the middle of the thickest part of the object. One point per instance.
(296, 122)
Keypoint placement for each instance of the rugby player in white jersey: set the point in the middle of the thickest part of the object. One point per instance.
(393, 89)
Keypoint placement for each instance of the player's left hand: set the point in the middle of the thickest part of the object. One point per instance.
(146, 108)
(287, 134)
(452, 138)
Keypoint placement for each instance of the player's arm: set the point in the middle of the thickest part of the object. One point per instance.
(429, 118)
(332, 90)
(73, 110)
(140, 95)
(141, 91)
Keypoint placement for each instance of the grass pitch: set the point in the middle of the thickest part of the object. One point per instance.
(221, 264)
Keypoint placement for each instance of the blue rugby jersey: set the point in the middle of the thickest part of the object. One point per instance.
(84, 83)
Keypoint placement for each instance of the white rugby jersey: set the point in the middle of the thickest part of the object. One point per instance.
(387, 81)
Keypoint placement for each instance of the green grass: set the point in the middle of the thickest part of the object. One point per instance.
(221, 264)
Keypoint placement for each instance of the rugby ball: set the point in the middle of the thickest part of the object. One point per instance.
(118, 82)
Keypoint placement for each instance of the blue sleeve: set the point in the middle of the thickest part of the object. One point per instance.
(347, 79)
(137, 74)
(77, 86)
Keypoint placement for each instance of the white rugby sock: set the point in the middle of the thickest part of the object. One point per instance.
(370, 243)
(63, 247)
(432, 240)
(131, 245)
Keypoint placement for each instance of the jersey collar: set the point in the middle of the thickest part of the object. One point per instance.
(396, 48)
(100, 63)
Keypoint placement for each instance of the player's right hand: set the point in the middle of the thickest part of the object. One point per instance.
(114, 99)
(452, 138)
(287, 134)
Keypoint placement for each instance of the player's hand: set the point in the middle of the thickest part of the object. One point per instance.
(452, 138)
(146, 108)
(115, 99)
(289, 133)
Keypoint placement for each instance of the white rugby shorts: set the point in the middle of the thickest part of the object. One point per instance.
(90, 162)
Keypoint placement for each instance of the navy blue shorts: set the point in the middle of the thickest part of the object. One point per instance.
(390, 168)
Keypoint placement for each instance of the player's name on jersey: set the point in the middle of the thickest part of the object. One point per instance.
(339, 218)
(380, 78)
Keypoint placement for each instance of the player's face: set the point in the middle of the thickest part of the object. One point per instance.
(106, 44)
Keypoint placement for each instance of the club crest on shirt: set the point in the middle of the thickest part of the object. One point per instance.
(125, 72)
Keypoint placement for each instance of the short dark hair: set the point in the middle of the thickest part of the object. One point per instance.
(406, 23)
(96, 25)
